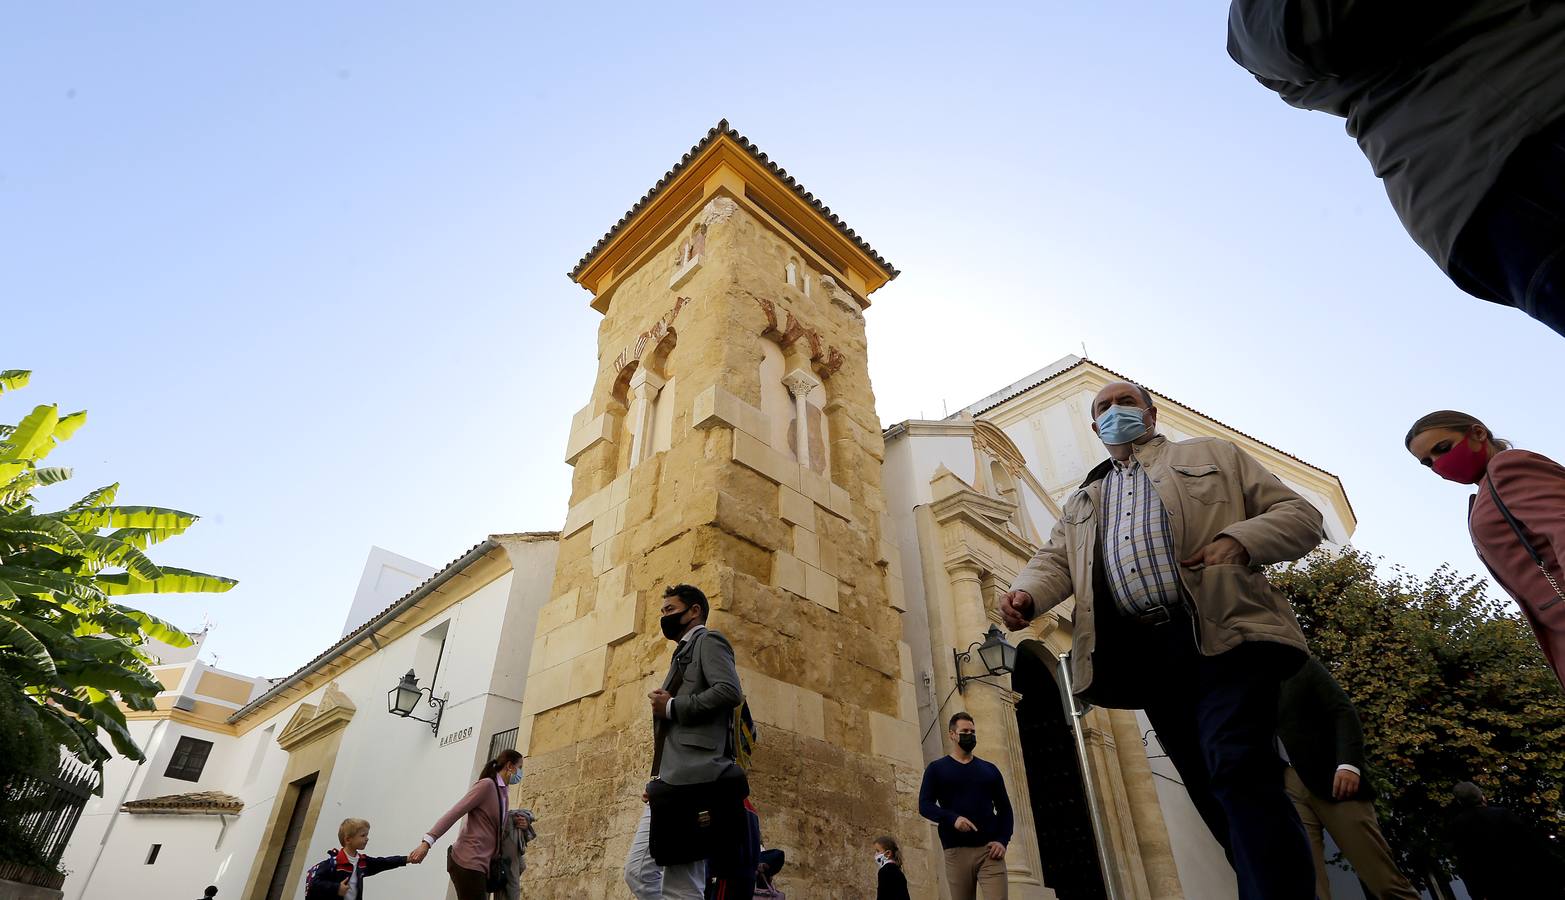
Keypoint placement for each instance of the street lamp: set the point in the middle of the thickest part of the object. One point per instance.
(403, 699)
(996, 653)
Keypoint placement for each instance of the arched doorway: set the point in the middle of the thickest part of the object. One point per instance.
(1067, 850)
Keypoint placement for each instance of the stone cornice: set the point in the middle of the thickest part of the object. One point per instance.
(985, 517)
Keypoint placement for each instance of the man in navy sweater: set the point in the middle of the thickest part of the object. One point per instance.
(966, 797)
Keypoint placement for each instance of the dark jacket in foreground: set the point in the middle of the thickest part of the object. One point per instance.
(330, 872)
(1320, 729)
(1436, 92)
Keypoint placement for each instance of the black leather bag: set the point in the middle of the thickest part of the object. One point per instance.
(697, 821)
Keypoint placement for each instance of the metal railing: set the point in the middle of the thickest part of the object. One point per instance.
(501, 740)
(42, 810)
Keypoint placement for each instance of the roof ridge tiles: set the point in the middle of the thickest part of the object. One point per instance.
(724, 129)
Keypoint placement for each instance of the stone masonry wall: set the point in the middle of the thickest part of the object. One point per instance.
(791, 557)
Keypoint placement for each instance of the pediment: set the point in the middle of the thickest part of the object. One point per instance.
(311, 722)
(989, 517)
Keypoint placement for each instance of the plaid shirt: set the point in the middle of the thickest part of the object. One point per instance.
(1138, 545)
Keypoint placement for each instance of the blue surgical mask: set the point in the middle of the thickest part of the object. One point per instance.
(516, 777)
(1121, 424)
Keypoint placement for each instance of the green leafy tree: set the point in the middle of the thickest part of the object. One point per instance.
(1450, 685)
(69, 650)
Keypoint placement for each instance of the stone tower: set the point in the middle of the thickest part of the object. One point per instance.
(730, 441)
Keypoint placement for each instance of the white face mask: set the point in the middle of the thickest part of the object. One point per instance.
(881, 859)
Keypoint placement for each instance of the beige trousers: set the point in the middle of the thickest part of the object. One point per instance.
(1352, 824)
(969, 870)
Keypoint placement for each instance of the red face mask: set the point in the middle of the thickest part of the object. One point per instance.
(1462, 463)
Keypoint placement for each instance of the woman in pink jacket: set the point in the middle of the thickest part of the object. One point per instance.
(484, 806)
(1517, 518)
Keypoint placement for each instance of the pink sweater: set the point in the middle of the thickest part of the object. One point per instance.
(475, 843)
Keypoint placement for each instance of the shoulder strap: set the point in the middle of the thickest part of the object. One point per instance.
(500, 818)
(1521, 535)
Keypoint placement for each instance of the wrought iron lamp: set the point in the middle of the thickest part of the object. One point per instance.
(403, 699)
(996, 653)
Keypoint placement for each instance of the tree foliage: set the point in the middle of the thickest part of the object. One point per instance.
(67, 647)
(1450, 685)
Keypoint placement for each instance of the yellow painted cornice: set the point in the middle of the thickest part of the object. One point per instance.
(727, 163)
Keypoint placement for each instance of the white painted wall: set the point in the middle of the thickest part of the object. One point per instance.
(390, 771)
(387, 578)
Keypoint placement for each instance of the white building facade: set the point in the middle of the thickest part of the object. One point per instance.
(245, 788)
(969, 498)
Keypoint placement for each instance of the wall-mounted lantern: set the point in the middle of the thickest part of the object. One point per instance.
(403, 699)
(996, 653)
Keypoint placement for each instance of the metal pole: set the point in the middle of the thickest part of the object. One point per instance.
(1100, 831)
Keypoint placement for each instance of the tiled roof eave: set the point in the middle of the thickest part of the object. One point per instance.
(723, 128)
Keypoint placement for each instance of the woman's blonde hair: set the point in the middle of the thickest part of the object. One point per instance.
(891, 847)
(351, 827)
(1449, 418)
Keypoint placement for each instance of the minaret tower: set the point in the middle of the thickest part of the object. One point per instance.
(731, 442)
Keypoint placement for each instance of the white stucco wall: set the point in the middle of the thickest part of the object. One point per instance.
(390, 771)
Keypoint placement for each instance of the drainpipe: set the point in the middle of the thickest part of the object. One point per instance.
(120, 804)
(1100, 831)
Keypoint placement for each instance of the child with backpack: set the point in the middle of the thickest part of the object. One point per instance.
(341, 874)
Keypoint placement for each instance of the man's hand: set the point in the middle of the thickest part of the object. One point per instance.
(1345, 785)
(1225, 551)
(996, 850)
(660, 700)
(645, 797)
(963, 824)
(1016, 608)
(418, 854)
(763, 868)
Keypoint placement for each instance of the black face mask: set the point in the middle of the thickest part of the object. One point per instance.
(672, 627)
(967, 741)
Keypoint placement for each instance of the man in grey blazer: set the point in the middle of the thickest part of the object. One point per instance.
(691, 718)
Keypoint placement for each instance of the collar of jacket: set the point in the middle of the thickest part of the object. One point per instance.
(1145, 452)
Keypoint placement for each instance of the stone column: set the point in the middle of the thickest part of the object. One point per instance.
(992, 704)
(644, 387)
(799, 384)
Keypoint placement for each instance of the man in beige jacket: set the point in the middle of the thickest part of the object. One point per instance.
(1163, 547)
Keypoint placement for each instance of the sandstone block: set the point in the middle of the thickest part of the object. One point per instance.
(602, 428)
(752, 452)
(715, 406)
(583, 513)
(617, 619)
(586, 673)
(806, 546)
(820, 587)
(795, 508)
(895, 592)
(895, 738)
(907, 705)
(754, 522)
(788, 573)
(557, 612)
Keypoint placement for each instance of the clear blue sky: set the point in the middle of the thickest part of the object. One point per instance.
(304, 263)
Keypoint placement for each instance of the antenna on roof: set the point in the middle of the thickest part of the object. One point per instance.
(944, 410)
(1084, 350)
